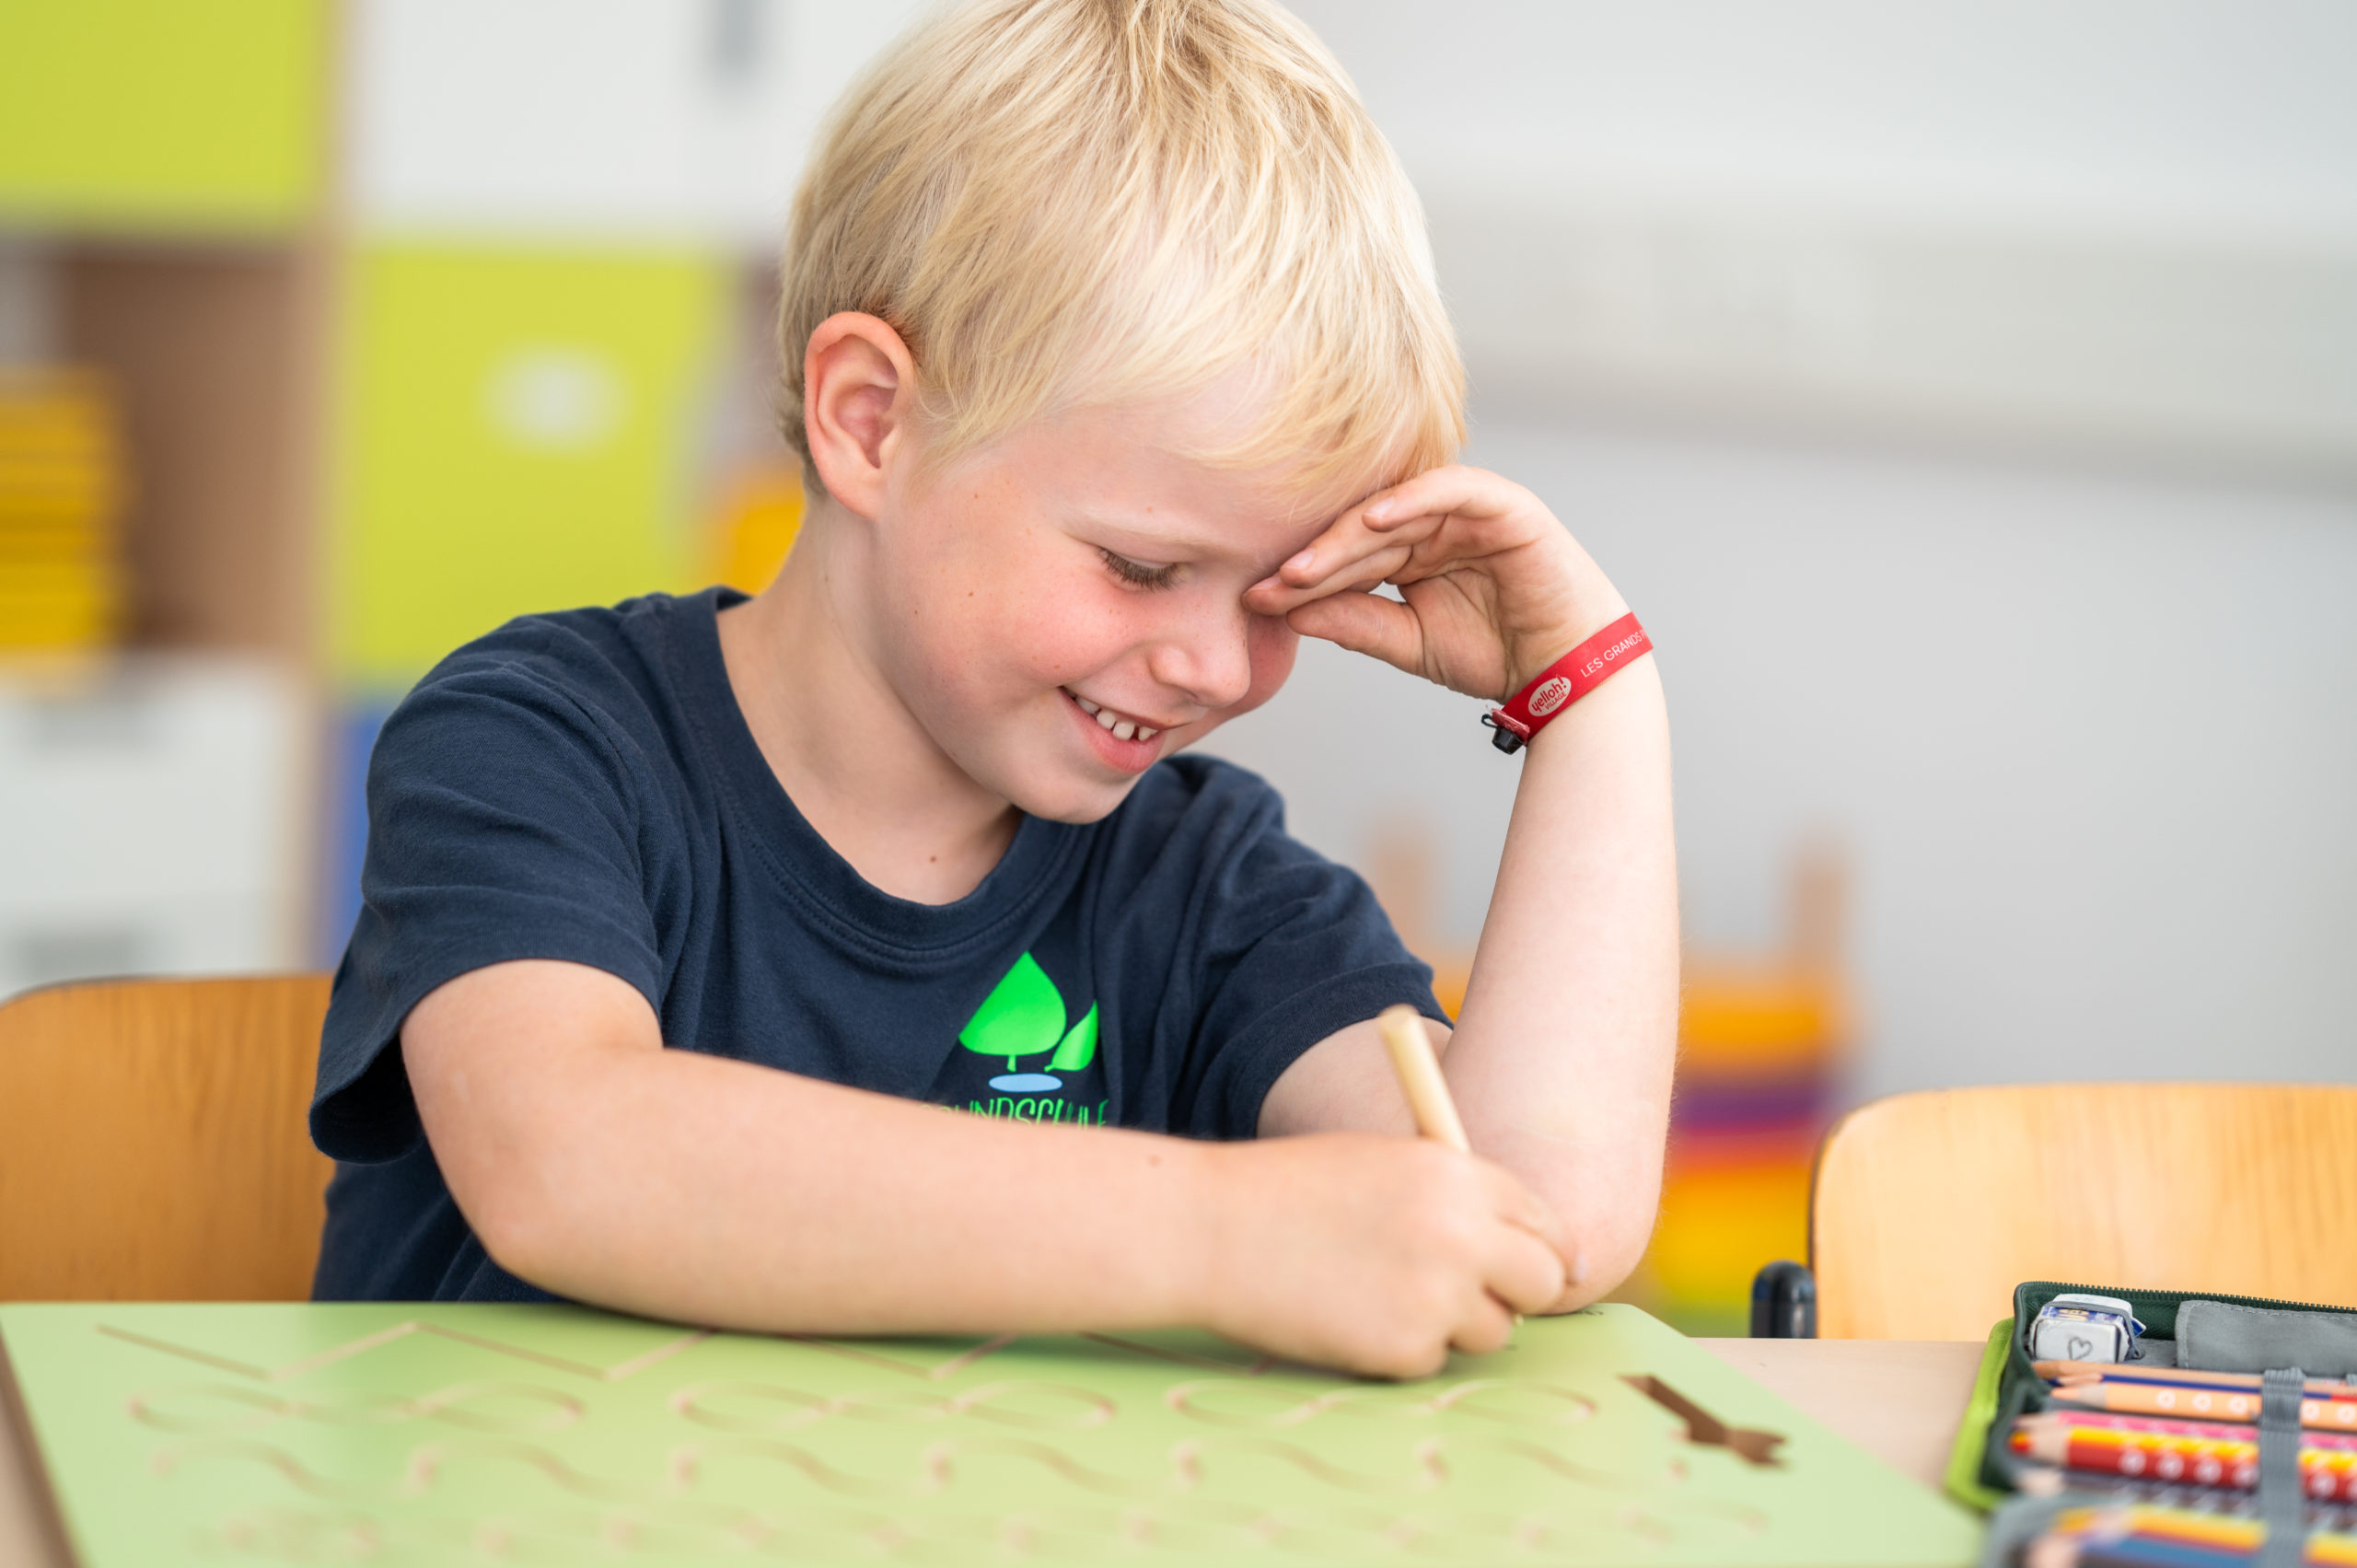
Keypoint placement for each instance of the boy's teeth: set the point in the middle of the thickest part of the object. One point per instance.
(1123, 729)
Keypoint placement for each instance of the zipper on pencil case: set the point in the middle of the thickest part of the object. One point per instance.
(2243, 1383)
(2132, 1292)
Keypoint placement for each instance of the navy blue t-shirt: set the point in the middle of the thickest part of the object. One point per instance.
(583, 787)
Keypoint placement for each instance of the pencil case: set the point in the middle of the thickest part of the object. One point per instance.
(2220, 1333)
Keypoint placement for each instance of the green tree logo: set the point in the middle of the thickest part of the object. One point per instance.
(1023, 1016)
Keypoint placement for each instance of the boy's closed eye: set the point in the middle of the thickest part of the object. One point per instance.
(1139, 574)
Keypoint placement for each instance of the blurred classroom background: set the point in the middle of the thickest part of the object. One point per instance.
(1965, 394)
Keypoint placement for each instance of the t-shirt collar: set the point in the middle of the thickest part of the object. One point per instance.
(1031, 869)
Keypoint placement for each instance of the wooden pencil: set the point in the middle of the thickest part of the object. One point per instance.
(2202, 1404)
(2130, 1372)
(1420, 1077)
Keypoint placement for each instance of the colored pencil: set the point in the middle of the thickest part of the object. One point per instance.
(2183, 1376)
(2202, 1404)
(2143, 1535)
(2326, 1475)
(2171, 1427)
(1419, 1076)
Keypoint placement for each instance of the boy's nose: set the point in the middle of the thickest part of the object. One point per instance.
(1208, 656)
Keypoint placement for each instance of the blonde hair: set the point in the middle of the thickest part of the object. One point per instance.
(1070, 203)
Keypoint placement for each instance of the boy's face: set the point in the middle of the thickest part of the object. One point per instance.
(1076, 575)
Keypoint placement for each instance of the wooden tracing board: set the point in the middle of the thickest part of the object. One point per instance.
(416, 1435)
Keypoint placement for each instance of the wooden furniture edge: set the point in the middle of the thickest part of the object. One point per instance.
(43, 1511)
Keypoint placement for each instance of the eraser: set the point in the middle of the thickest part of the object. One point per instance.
(2084, 1327)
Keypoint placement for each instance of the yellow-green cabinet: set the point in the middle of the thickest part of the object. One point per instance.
(521, 432)
(147, 114)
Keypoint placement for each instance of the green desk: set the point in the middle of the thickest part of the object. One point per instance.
(428, 1435)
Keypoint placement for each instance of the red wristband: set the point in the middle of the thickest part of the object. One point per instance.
(1565, 681)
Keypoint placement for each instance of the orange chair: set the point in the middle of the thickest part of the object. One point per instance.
(152, 1140)
(1928, 1209)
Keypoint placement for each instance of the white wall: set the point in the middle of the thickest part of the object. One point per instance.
(2233, 113)
(666, 121)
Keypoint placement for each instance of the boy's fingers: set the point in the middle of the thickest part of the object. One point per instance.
(1335, 571)
(1528, 1273)
(1364, 624)
(1489, 511)
(1355, 553)
(1518, 1205)
(1488, 1325)
(1438, 492)
(1342, 548)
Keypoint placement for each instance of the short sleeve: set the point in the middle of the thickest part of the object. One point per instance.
(503, 824)
(1293, 947)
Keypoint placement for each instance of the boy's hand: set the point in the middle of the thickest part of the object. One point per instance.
(1377, 1254)
(1494, 589)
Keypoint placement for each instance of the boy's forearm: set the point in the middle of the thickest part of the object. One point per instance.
(1561, 1059)
(670, 1188)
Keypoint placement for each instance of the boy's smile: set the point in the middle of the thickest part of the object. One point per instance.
(1126, 742)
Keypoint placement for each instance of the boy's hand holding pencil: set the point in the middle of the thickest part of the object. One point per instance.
(1423, 1247)
(1373, 1252)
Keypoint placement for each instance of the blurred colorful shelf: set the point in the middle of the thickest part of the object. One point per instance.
(1760, 1046)
(62, 488)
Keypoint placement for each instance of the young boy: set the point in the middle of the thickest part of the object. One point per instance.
(1111, 345)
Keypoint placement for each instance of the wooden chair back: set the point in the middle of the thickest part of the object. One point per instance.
(1928, 1209)
(153, 1142)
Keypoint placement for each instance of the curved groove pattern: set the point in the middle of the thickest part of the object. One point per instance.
(798, 1408)
(1487, 1398)
(165, 1409)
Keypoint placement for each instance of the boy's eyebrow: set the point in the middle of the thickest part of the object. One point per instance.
(1181, 537)
(1139, 528)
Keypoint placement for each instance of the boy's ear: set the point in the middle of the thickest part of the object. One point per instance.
(859, 389)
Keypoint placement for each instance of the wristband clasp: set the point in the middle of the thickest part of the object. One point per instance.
(1501, 736)
(1565, 682)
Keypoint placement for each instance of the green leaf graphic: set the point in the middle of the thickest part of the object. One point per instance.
(1021, 1017)
(1079, 1048)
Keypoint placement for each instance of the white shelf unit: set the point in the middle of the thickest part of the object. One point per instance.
(154, 812)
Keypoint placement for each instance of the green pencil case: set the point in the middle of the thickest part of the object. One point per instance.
(1982, 1470)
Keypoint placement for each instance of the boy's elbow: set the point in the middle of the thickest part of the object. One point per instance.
(520, 1228)
(1608, 1241)
(1607, 1257)
(509, 1189)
